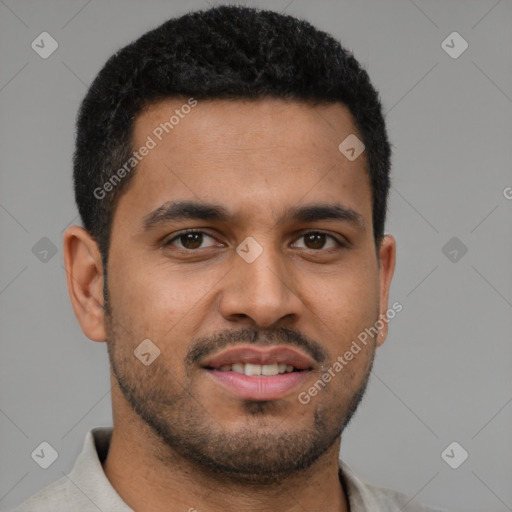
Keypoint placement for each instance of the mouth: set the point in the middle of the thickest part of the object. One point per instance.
(259, 374)
(255, 370)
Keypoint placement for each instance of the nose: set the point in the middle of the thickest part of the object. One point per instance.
(263, 290)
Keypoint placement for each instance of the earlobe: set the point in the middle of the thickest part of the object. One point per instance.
(84, 275)
(387, 258)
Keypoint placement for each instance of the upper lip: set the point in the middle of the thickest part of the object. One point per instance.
(261, 356)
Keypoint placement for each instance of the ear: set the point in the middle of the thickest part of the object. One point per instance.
(84, 274)
(387, 259)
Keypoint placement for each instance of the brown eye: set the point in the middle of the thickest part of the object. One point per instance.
(317, 240)
(189, 240)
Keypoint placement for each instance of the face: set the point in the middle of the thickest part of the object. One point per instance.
(273, 269)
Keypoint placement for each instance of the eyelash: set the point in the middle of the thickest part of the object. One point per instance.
(340, 245)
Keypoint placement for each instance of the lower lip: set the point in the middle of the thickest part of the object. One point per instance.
(260, 387)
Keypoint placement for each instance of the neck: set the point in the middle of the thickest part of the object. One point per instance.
(149, 475)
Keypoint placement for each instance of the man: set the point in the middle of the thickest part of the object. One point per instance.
(231, 172)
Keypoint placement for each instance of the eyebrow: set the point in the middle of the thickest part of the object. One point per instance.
(181, 210)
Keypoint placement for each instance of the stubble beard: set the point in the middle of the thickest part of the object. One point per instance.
(256, 454)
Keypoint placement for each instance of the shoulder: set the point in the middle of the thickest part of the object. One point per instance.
(85, 488)
(54, 497)
(366, 496)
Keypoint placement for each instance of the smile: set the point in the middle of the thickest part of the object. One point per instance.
(255, 370)
(259, 373)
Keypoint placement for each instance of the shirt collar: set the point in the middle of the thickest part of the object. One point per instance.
(88, 475)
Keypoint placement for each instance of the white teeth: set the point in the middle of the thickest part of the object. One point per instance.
(255, 370)
(252, 370)
(269, 369)
(238, 368)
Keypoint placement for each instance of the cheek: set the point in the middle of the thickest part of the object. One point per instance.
(154, 299)
(346, 299)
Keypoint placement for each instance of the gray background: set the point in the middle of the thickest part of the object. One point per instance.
(443, 375)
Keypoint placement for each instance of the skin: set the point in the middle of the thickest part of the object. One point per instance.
(256, 158)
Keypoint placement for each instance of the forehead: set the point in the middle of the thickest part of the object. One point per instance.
(251, 155)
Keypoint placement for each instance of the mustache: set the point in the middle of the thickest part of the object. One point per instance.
(207, 345)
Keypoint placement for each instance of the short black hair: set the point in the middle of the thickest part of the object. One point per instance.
(226, 52)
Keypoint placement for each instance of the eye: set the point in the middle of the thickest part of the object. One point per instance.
(316, 240)
(190, 239)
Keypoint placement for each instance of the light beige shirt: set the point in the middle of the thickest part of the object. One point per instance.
(87, 489)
